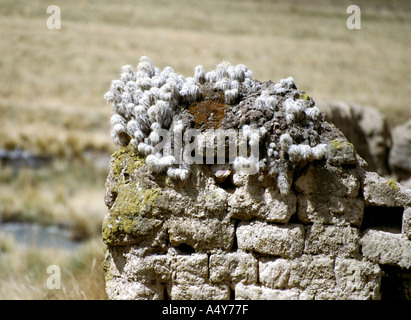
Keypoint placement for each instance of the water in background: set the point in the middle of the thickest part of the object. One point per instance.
(29, 235)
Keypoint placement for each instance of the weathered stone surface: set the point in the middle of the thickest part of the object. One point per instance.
(190, 269)
(222, 175)
(340, 152)
(278, 208)
(277, 240)
(146, 269)
(321, 277)
(328, 180)
(233, 267)
(120, 289)
(274, 273)
(379, 191)
(332, 240)
(406, 222)
(357, 280)
(257, 292)
(201, 234)
(329, 209)
(387, 248)
(210, 202)
(199, 292)
(245, 202)
(313, 274)
(263, 203)
(125, 229)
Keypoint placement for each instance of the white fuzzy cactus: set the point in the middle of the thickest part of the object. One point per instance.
(199, 74)
(282, 182)
(286, 141)
(230, 96)
(312, 113)
(302, 152)
(318, 152)
(157, 164)
(178, 173)
(145, 149)
(294, 110)
(284, 85)
(190, 91)
(145, 101)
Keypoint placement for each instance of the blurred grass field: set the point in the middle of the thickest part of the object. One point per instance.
(53, 82)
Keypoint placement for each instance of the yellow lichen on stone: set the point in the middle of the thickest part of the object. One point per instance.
(341, 152)
(128, 229)
(133, 198)
(392, 184)
(130, 213)
(339, 144)
(127, 159)
(304, 95)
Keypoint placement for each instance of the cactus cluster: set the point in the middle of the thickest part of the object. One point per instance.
(276, 117)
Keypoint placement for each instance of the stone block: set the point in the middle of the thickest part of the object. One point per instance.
(189, 269)
(310, 274)
(380, 191)
(258, 292)
(365, 127)
(212, 201)
(329, 209)
(386, 248)
(121, 289)
(328, 180)
(201, 234)
(277, 207)
(278, 240)
(321, 277)
(274, 273)
(233, 267)
(357, 280)
(147, 269)
(203, 291)
(340, 152)
(400, 152)
(263, 203)
(331, 240)
(313, 274)
(127, 230)
(114, 261)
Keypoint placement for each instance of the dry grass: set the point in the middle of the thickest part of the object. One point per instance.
(53, 81)
(23, 273)
(68, 195)
(65, 72)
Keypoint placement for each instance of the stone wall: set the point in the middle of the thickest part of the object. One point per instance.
(310, 223)
(242, 239)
